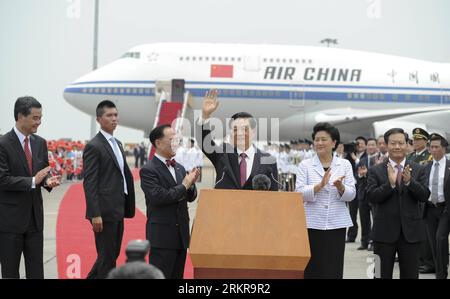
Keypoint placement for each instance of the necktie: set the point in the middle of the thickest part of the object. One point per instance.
(26, 148)
(171, 163)
(399, 174)
(119, 158)
(243, 168)
(434, 184)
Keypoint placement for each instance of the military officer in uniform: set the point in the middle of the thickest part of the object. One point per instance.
(422, 156)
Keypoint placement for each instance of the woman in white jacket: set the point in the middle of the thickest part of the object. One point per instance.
(327, 184)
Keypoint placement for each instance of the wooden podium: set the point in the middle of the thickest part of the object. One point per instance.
(249, 235)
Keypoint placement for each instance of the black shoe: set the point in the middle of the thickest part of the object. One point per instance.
(362, 247)
(370, 247)
(426, 269)
(350, 240)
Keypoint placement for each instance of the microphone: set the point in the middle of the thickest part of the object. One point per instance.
(261, 182)
(223, 176)
(280, 185)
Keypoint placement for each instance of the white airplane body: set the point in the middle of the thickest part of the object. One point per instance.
(361, 93)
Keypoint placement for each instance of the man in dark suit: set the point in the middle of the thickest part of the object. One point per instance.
(365, 164)
(436, 209)
(355, 159)
(237, 163)
(24, 171)
(167, 190)
(395, 189)
(422, 156)
(109, 190)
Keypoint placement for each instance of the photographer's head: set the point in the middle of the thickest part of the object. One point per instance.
(243, 130)
(325, 138)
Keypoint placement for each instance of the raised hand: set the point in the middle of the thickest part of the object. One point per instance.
(53, 181)
(362, 171)
(40, 176)
(406, 174)
(339, 184)
(210, 103)
(391, 174)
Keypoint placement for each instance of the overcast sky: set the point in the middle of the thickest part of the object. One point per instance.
(47, 44)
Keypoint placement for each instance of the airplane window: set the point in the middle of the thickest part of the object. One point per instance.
(200, 58)
(271, 59)
(265, 60)
(297, 60)
(187, 58)
(206, 58)
(309, 61)
(284, 60)
(239, 59)
(278, 60)
(219, 59)
(181, 58)
(84, 90)
(193, 58)
(303, 61)
(290, 60)
(225, 59)
(102, 90)
(349, 96)
(213, 58)
(232, 58)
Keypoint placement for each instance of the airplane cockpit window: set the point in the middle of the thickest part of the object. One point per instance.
(135, 55)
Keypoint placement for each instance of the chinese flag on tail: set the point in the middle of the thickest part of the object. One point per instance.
(221, 71)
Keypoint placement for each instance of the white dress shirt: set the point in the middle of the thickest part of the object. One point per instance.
(171, 169)
(250, 152)
(22, 143)
(442, 166)
(327, 209)
(119, 157)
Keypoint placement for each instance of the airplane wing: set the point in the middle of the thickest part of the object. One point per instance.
(350, 115)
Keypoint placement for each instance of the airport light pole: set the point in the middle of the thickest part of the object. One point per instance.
(95, 61)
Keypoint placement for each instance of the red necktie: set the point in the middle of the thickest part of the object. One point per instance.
(399, 174)
(171, 163)
(243, 169)
(28, 155)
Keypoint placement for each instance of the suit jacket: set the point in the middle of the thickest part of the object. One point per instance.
(166, 200)
(226, 162)
(397, 209)
(17, 198)
(103, 182)
(362, 181)
(446, 181)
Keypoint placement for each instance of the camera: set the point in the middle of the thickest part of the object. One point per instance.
(137, 250)
(350, 147)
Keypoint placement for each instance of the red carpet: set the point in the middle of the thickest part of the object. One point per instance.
(75, 245)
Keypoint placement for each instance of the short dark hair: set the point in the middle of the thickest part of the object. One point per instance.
(100, 110)
(444, 142)
(395, 131)
(136, 270)
(243, 115)
(157, 133)
(362, 138)
(327, 127)
(24, 105)
(371, 139)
